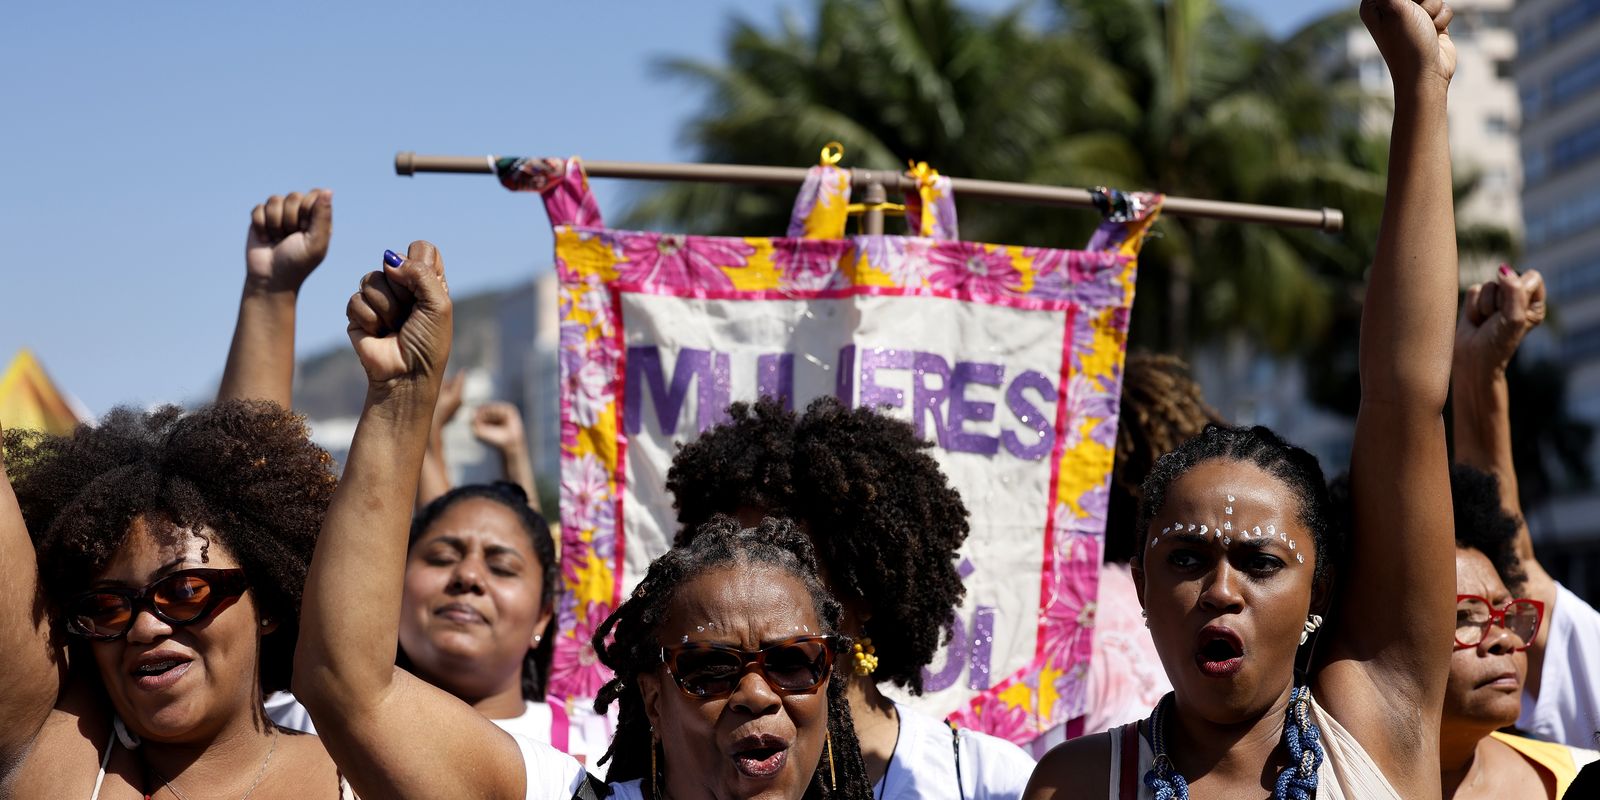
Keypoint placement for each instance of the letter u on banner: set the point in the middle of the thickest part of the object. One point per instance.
(1008, 359)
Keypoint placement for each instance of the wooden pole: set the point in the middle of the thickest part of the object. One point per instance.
(1330, 220)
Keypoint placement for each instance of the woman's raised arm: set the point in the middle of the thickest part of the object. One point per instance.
(29, 659)
(1385, 671)
(392, 735)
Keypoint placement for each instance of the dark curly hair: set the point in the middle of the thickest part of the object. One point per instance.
(635, 645)
(1483, 524)
(1162, 407)
(245, 469)
(536, 664)
(886, 522)
(1296, 467)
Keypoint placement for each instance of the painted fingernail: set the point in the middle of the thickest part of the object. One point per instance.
(392, 258)
(1507, 270)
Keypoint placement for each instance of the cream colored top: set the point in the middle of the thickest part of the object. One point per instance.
(1347, 772)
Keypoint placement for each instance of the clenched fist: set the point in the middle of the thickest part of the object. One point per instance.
(498, 425)
(1413, 36)
(400, 320)
(1494, 318)
(288, 239)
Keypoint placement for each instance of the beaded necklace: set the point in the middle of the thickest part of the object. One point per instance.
(1300, 735)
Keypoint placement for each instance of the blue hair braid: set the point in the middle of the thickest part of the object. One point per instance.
(1300, 735)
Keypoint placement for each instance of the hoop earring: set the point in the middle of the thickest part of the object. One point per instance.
(1313, 622)
(833, 784)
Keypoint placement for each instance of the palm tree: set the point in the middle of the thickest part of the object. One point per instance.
(1186, 97)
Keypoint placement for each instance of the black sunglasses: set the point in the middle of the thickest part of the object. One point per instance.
(182, 598)
(793, 666)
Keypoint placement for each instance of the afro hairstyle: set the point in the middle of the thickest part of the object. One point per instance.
(246, 470)
(886, 522)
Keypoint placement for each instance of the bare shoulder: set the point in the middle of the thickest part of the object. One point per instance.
(1077, 768)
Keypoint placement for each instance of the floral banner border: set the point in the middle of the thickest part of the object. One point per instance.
(597, 265)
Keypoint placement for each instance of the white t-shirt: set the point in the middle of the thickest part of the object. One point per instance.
(572, 727)
(1567, 709)
(924, 764)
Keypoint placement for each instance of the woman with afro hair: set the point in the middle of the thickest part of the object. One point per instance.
(887, 527)
(155, 604)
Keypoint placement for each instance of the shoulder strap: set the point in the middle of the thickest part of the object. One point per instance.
(955, 744)
(591, 789)
(1130, 762)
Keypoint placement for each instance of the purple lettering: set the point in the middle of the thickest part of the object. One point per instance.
(978, 678)
(715, 393)
(927, 399)
(873, 395)
(1037, 445)
(844, 386)
(707, 370)
(962, 409)
(775, 378)
(955, 659)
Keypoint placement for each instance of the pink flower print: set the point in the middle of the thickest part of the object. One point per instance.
(1086, 402)
(982, 271)
(588, 383)
(1077, 538)
(585, 491)
(998, 719)
(808, 265)
(595, 300)
(681, 262)
(1062, 625)
(575, 669)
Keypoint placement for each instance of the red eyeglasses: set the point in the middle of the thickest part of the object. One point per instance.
(1474, 614)
(793, 666)
(182, 598)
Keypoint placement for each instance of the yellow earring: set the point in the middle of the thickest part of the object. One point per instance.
(864, 656)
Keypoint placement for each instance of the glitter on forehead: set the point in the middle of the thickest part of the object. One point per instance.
(1226, 533)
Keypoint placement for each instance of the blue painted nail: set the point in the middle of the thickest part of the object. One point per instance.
(392, 258)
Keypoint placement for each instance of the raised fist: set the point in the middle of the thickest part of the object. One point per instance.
(498, 425)
(400, 320)
(1413, 36)
(1496, 316)
(288, 239)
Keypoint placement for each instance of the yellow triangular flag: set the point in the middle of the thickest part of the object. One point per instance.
(29, 399)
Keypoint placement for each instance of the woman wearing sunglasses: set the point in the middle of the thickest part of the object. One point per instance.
(1494, 629)
(888, 528)
(724, 654)
(171, 551)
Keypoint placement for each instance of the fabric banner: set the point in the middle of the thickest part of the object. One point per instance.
(1008, 359)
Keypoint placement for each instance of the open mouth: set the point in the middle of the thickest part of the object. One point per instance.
(159, 673)
(1221, 652)
(760, 756)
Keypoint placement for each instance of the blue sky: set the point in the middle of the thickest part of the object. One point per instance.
(137, 136)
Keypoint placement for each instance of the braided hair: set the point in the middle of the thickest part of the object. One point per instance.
(634, 648)
(886, 522)
(1162, 407)
(536, 663)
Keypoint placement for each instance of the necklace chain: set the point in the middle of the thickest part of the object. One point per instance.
(260, 773)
